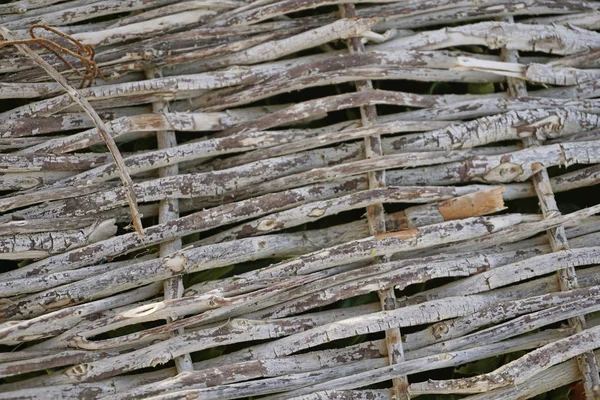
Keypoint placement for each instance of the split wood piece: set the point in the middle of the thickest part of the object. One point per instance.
(365, 280)
(271, 246)
(552, 123)
(541, 243)
(191, 151)
(19, 227)
(47, 162)
(412, 275)
(584, 20)
(203, 339)
(196, 259)
(55, 383)
(28, 90)
(520, 370)
(219, 183)
(468, 205)
(342, 102)
(258, 387)
(567, 277)
(482, 301)
(244, 371)
(273, 385)
(168, 209)
(468, 11)
(510, 167)
(227, 286)
(83, 103)
(527, 313)
(145, 29)
(583, 90)
(554, 377)
(38, 245)
(509, 300)
(77, 14)
(502, 229)
(519, 325)
(413, 366)
(280, 383)
(161, 50)
(19, 143)
(180, 122)
(371, 394)
(234, 331)
(26, 180)
(274, 49)
(186, 225)
(38, 283)
(252, 177)
(219, 100)
(572, 180)
(537, 73)
(42, 195)
(115, 365)
(489, 106)
(56, 322)
(384, 245)
(495, 35)
(308, 71)
(64, 121)
(175, 8)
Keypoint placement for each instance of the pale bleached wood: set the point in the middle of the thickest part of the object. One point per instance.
(520, 370)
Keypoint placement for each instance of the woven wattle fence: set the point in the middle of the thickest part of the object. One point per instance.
(304, 199)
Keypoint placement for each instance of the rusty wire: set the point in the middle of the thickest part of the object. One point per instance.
(85, 52)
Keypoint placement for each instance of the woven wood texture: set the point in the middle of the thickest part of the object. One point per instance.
(302, 199)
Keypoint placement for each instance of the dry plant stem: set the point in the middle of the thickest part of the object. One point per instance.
(83, 103)
(558, 241)
(168, 209)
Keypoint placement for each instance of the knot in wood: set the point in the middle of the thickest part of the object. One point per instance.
(439, 330)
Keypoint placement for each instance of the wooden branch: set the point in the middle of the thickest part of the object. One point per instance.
(537, 73)
(543, 38)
